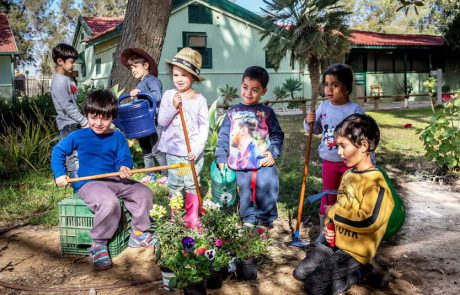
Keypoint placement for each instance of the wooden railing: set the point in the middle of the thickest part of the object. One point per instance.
(360, 100)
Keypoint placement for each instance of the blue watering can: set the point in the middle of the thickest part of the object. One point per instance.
(136, 119)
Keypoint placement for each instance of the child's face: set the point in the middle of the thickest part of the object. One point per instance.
(139, 70)
(67, 66)
(251, 91)
(334, 90)
(182, 79)
(99, 124)
(353, 156)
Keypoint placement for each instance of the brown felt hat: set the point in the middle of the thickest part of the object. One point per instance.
(189, 60)
(128, 52)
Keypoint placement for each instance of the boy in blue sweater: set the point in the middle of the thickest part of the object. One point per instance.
(249, 141)
(103, 150)
(145, 70)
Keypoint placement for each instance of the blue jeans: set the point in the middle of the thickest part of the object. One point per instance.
(71, 161)
(263, 211)
(150, 151)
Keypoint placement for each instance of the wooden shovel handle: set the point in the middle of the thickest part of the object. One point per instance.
(105, 175)
(192, 163)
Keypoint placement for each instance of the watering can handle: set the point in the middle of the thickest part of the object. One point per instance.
(224, 175)
(142, 95)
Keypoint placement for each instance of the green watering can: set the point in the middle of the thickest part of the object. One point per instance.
(223, 185)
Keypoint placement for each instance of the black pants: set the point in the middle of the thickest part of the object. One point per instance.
(325, 271)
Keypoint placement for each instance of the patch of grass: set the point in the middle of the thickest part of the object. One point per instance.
(34, 195)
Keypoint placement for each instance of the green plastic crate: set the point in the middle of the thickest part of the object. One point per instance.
(75, 222)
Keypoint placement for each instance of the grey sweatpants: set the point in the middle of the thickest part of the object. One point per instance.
(101, 197)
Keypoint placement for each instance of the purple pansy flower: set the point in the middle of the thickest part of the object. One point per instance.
(188, 243)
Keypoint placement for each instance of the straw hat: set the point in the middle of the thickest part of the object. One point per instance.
(189, 60)
(128, 52)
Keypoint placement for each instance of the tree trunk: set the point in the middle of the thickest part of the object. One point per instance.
(314, 70)
(144, 27)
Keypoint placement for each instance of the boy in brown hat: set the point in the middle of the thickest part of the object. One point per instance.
(144, 69)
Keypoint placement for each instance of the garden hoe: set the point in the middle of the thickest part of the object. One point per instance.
(192, 163)
(184, 169)
(297, 242)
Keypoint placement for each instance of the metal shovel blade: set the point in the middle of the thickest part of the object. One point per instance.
(297, 242)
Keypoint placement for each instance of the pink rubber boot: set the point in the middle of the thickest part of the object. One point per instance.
(192, 205)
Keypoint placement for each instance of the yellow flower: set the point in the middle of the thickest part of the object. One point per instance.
(157, 211)
(176, 202)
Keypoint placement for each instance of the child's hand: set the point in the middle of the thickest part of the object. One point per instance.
(221, 166)
(62, 180)
(268, 159)
(125, 172)
(177, 99)
(310, 118)
(191, 156)
(329, 234)
(134, 92)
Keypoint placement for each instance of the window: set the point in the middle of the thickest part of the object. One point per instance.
(199, 14)
(357, 60)
(83, 69)
(98, 66)
(419, 62)
(206, 57)
(268, 63)
(194, 39)
(82, 36)
(384, 62)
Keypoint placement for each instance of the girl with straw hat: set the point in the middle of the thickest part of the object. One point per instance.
(185, 68)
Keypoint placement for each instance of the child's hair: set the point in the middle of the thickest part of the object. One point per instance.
(257, 73)
(359, 127)
(135, 59)
(101, 102)
(344, 74)
(64, 52)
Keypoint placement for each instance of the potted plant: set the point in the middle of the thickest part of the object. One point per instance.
(249, 246)
(192, 263)
(169, 229)
(219, 228)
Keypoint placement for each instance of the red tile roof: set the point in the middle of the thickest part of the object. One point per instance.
(7, 42)
(364, 38)
(101, 25)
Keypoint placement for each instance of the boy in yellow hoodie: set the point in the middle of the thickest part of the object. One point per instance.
(357, 222)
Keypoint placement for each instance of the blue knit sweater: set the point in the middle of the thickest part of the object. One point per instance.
(97, 154)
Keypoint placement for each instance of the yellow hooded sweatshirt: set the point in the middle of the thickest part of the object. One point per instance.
(361, 214)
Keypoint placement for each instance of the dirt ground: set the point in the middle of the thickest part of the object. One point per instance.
(424, 256)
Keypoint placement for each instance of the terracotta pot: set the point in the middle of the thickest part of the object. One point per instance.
(195, 288)
(246, 270)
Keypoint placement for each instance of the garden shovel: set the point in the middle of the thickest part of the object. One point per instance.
(192, 163)
(184, 169)
(297, 242)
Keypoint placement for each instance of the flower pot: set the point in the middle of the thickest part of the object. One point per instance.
(167, 276)
(216, 279)
(246, 270)
(198, 288)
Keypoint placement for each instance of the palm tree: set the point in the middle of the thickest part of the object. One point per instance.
(291, 86)
(228, 93)
(310, 31)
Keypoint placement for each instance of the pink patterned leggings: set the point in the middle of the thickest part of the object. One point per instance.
(332, 174)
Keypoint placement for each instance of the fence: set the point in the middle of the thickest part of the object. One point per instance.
(25, 86)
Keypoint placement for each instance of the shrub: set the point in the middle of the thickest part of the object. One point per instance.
(441, 138)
